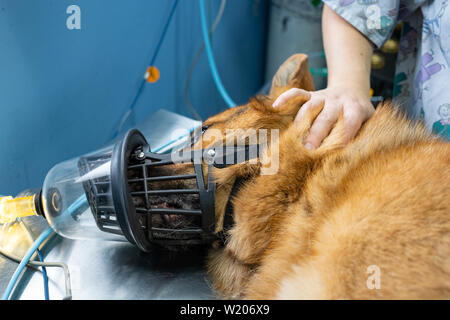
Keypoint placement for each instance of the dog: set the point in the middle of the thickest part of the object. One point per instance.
(368, 220)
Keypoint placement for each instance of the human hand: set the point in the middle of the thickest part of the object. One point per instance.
(352, 101)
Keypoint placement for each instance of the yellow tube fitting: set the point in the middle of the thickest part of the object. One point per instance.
(11, 208)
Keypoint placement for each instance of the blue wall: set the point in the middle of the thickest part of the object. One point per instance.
(63, 92)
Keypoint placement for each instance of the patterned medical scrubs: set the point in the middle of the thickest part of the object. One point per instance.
(422, 79)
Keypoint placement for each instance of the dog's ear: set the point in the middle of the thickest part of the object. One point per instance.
(293, 73)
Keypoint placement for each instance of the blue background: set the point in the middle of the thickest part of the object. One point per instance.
(63, 92)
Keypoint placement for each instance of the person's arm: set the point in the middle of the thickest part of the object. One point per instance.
(348, 54)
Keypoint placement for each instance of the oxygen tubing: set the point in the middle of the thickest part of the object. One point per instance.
(36, 244)
(212, 63)
(44, 235)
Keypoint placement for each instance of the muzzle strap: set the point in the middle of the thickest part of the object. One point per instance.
(228, 220)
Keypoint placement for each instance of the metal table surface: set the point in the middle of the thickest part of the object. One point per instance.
(117, 270)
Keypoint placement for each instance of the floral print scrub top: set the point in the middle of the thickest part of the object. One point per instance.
(422, 78)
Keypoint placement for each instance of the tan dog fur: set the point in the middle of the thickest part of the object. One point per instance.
(312, 230)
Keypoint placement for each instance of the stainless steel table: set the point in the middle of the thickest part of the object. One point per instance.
(117, 270)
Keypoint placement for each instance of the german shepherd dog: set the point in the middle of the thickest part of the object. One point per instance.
(369, 220)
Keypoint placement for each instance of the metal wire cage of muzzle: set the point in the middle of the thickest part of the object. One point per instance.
(144, 186)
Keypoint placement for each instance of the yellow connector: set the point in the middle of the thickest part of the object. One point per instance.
(11, 208)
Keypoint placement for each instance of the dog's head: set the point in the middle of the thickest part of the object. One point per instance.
(259, 113)
(240, 122)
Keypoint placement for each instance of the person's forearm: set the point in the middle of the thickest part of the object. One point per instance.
(349, 55)
(348, 52)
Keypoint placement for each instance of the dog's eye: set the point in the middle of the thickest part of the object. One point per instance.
(195, 135)
(204, 128)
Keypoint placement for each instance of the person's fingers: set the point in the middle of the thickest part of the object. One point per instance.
(307, 108)
(289, 94)
(322, 126)
(352, 122)
(354, 116)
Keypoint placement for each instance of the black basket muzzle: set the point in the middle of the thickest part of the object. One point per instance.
(140, 178)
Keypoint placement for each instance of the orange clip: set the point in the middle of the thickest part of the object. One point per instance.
(152, 74)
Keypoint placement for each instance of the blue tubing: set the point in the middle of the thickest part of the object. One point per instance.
(152, 62)
(36, 244)
(44, 276)
(212, 63)
(163, 35)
